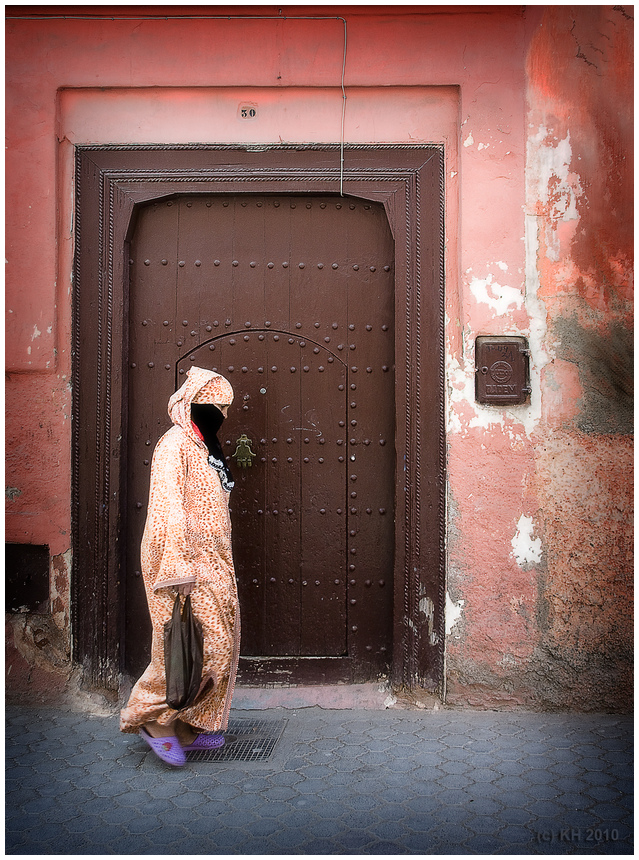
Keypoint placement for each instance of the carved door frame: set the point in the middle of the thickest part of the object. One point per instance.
(110, 181)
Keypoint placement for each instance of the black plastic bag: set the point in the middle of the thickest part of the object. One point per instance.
(183, 655)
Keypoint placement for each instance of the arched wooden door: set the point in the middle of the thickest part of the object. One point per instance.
(291, 298)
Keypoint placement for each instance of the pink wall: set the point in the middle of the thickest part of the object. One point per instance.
(538, 141)
(581, 120)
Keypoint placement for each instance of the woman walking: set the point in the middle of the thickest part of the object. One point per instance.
(186, 549)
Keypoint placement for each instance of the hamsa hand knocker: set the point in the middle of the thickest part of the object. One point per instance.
(243, 454)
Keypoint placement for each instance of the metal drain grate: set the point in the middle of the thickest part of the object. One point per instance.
(255, 740)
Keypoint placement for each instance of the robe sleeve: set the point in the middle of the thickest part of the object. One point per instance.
(167, 541)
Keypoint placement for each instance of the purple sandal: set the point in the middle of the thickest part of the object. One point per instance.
(168, 749)
(205, 741)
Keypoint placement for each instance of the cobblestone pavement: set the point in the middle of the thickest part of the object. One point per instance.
(338, 782)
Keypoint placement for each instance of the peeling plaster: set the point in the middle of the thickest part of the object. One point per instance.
(427, 607)
(500, 298)
(537, 317)
(453, 613)
(526, 549)
(549, 168)
(553, 185)
(459, 391)
(59, 590)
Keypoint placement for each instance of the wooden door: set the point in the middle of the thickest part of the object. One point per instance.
(291, 298)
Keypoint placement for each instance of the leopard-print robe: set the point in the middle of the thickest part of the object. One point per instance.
(187, 539)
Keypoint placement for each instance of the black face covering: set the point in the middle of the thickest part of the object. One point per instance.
(208, 420)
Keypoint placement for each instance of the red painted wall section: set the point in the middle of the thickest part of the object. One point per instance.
(539, 243)
(568, 638)
(580, 93)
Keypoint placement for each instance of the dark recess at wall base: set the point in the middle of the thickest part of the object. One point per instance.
(26, 578)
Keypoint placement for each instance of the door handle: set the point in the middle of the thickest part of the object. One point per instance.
(243, 454)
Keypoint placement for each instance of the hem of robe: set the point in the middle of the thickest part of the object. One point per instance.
(166, 715)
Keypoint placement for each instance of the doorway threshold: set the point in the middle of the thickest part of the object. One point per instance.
(364, 697)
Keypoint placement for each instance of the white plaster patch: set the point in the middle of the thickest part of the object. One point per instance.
(537, 318)
(453, 613)
(497, 296)
(469, 140)
(460, 390)
(526, 548)
(550, 168)
(427, 607)
(36, 332)
(551, 182)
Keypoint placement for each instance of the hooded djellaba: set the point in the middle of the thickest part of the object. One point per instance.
(186, 548)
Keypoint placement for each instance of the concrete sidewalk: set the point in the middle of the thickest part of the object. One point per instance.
(337, 782)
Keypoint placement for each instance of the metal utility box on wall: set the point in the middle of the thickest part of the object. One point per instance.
(502, 374)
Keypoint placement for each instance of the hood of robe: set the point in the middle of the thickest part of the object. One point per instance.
(201, 386)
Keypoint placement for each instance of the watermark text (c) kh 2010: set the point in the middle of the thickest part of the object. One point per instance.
(579, 834)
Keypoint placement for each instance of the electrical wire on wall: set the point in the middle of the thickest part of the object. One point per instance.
(279, 17)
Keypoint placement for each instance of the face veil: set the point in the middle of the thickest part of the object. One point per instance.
(208, 419)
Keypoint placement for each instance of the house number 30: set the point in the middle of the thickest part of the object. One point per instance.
(247, 112)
